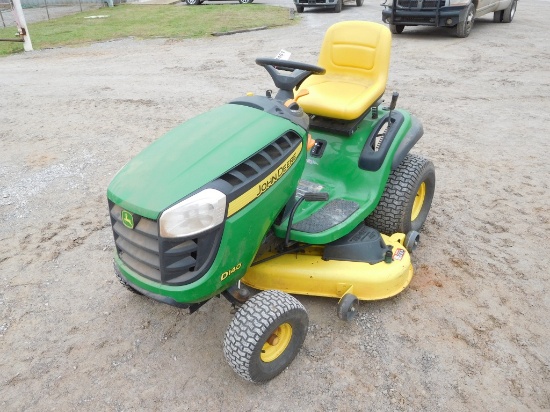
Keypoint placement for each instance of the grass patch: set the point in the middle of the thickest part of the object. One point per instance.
(144, 21)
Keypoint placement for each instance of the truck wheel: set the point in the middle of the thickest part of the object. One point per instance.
(359, 2)
(299, 9)
(265, 335)
(347, 307)
(407, 198)
(509, 12)
(338, 7)
(397, 28)
(463, 28)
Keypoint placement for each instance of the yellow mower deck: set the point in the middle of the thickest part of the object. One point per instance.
(306, 273)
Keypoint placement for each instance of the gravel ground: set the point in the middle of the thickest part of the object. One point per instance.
(472, 330)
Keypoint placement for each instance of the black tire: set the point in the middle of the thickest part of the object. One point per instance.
(299, 9)
(268, 316)
(497, 16)
(397, 28)
(193, 2)
(347, 307)
(338, 7)
(464, 28)
(411, 185)
(245, 1)
(359, 2)
(509, 13)
(125, 283)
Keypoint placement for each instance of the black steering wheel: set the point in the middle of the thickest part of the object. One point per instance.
(287, 82)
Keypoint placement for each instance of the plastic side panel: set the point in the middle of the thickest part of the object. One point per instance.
(338, 172)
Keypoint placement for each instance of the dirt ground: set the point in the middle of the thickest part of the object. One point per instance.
(471, 332)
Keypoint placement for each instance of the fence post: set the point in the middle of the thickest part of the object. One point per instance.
(22, 25)
(47, 11)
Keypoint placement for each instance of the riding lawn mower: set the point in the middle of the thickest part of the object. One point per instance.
(311, 190)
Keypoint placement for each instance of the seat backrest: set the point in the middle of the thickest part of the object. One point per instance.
(357, 48)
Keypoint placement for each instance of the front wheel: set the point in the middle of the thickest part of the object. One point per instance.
(397, 28)
(245, 1)
(509, 12)
(193, 2)
(265, 335)
(299, 9)
(338, 7)
(463, 28)
(407, 198)
(359, 2)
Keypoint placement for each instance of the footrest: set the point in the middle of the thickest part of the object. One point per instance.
(330, 215)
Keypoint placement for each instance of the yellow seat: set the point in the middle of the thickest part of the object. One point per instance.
(356, 56)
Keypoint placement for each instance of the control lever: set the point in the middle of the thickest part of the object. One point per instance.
(308, 197)
(393, 103)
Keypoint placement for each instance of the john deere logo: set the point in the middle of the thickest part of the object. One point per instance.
(127, 219)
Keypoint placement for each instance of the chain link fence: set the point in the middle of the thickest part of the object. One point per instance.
(40, 10)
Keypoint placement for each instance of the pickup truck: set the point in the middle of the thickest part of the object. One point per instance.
(445, 13)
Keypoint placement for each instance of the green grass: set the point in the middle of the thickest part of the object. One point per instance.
(144, 22)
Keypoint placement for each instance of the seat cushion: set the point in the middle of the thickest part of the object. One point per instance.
(339, 97)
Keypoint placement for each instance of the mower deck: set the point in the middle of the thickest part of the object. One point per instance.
(306, 273)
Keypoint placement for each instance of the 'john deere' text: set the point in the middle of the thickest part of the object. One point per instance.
(275, 176)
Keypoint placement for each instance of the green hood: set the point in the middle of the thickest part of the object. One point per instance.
(193, 154)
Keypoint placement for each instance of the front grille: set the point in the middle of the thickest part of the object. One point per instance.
(419, 4)
(408, 3)
(168, 261)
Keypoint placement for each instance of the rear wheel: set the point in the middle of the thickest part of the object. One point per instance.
(463, 28)
(407, 198)
(397, 28)
(245, 1)
(497, 16)
(299, 9)
(265, 335)
(359, 2)
(193, 2)
(338, 7)
(508, 13)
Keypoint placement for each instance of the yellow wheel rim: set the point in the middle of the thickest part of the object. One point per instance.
(418, 201)
(276, 343)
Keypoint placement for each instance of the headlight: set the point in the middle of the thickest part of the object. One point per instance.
(200, 212)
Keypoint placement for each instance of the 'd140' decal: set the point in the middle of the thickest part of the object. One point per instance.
(230, 271)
